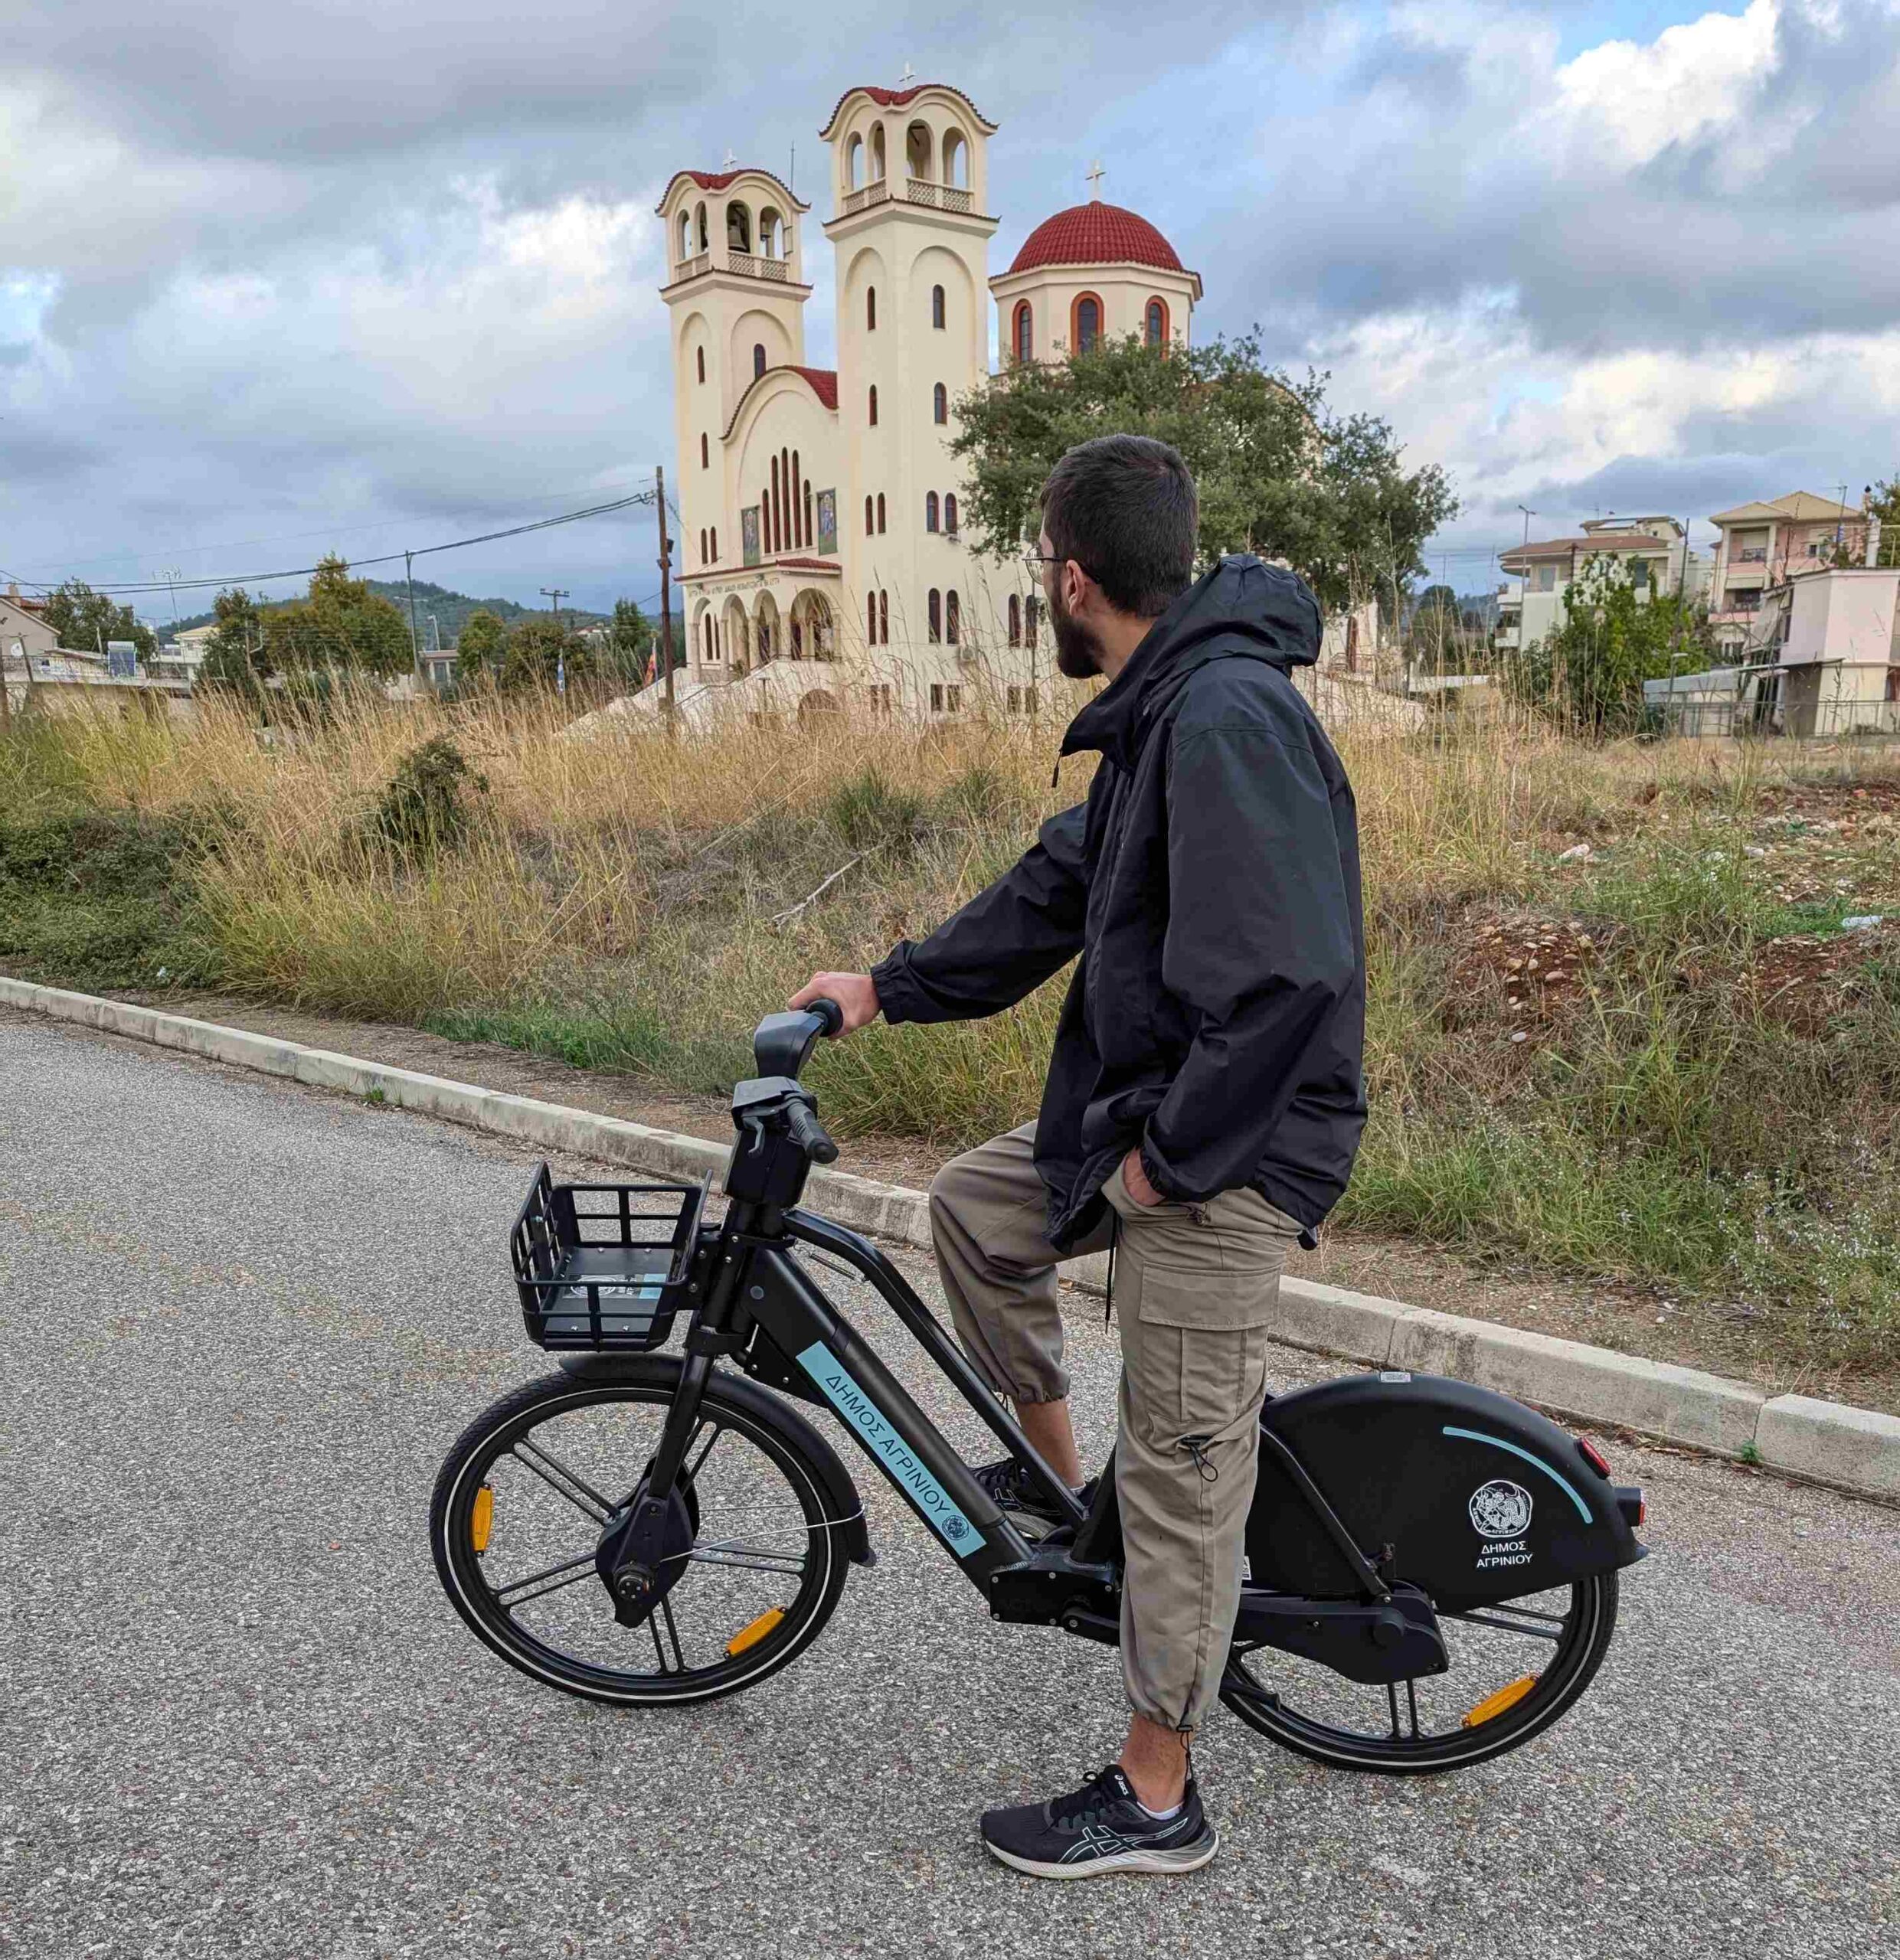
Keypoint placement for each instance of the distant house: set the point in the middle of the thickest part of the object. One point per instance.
(1763, 544)
(1827, 644)
(1653, 553)
(23, 626)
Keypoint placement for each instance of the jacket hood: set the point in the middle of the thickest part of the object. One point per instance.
(1240, 607)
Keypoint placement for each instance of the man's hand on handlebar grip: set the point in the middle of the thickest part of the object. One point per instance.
(854, 992)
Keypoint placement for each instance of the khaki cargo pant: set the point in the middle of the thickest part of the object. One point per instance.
(1195, 1288)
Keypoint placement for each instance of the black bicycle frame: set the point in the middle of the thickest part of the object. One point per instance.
(762, 1310)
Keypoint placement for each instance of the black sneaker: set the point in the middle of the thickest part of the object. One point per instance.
(1101, 1828)
(1020, 1494)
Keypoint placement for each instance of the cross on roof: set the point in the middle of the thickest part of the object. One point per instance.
(907, 78)
(731, 161)
(1095, 175)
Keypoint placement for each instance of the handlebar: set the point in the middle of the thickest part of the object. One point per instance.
(782, 1043)
(810, 1134)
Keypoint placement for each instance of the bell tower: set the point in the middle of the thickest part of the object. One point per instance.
(735, 292)
(909, 182)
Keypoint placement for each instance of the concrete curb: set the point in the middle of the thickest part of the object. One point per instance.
(1823, 1442)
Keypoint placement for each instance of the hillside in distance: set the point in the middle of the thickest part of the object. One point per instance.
(450, 609)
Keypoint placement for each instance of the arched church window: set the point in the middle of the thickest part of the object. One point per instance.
(798, 524)
(870, 524)
(880, 513)
(699, 220)
(933, 613)
(699, 361)
(874, 407)
(1022, 332)
(705, 454)
(876, 155)
(871, 618)
(956, 160)
(1088, 323)
(940, 403)
(758, 359)
(706, 557)
(686, 237)
(883, 618)
(1154, 323)
(1032, 620)
(738, 228)
(1015, 619)
(810, 533)
(916, 150)
(855, 163)
(870, 309)
(715, 544)
(937, 307)
(929, 511)
(950, 514)
(952, 619)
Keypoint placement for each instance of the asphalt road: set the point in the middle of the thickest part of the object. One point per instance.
(243, 1321)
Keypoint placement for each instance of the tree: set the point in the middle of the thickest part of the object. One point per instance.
(1883, 501)
(235, 657)
(1588, 671)
(541, 649)
(86, 620)
(1278, 472)
(1436, 635)
(341, 627)
(478, 651)
(630, 638)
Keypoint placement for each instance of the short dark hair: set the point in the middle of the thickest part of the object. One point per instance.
(1124, 508)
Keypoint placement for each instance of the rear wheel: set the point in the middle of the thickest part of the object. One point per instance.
(1515, 1668)
(521, 1501)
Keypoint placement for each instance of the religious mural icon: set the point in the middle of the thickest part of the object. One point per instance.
(827, 520)
(749, 534)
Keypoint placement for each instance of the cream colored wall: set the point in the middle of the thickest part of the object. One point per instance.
(1124, 293)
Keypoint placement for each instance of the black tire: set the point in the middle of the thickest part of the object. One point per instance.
(1588, 1628)
(647, 1383)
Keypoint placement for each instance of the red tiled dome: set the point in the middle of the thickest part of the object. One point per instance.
(1095, 234)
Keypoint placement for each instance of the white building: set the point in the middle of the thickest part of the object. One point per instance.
(1654, 552)
(822, 552)
(1764, 543)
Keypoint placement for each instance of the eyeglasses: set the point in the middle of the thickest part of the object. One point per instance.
(1035, 560)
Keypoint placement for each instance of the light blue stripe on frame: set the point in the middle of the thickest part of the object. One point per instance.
(1498, 1443)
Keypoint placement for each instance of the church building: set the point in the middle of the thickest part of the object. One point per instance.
(822, 557)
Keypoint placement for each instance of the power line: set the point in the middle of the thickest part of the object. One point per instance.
(386, 558)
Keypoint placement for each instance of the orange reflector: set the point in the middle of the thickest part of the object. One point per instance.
(751, 1636)
(482, 1520)
(1496, 1705)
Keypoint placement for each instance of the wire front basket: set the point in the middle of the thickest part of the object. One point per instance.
(603, 1265)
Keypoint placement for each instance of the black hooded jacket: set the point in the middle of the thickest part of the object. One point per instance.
(1211, 883)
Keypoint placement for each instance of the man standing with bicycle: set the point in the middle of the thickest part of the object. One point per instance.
(1205, 1096)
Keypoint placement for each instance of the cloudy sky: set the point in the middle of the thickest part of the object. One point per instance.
(278, 279)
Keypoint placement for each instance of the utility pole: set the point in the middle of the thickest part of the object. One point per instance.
(666, 594)
(557, 593)
(415, 642)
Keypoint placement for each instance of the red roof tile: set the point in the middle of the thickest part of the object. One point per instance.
(821, 382)
(1096, 234)
(897, 98)
(718, 180)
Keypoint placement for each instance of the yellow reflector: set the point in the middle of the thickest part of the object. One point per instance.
(482, 1522)
(1496, 1705)
(751, 1636)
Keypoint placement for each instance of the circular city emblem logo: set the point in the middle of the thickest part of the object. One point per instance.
(955, 1528)
(1501, 1509)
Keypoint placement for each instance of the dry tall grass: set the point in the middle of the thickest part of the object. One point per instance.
(629, 901)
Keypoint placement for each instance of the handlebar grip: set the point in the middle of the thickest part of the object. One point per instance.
(829, 1011)
(810, 1134)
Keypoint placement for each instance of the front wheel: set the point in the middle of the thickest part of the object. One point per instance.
(520, 1504)
(1515, 1668)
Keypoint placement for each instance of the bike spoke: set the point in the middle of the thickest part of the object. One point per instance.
(550, 1469)
(1391, 1699)
(1411, 1701)
(677, 1664)
(750, 1558)
(699, 1462)
(1534, 1626)
(576, 1569)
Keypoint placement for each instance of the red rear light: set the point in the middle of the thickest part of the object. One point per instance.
(1593, 1456)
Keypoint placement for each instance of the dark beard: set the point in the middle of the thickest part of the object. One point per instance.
(1077, 651)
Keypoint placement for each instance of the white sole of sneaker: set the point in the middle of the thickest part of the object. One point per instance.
(1190, 1858)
